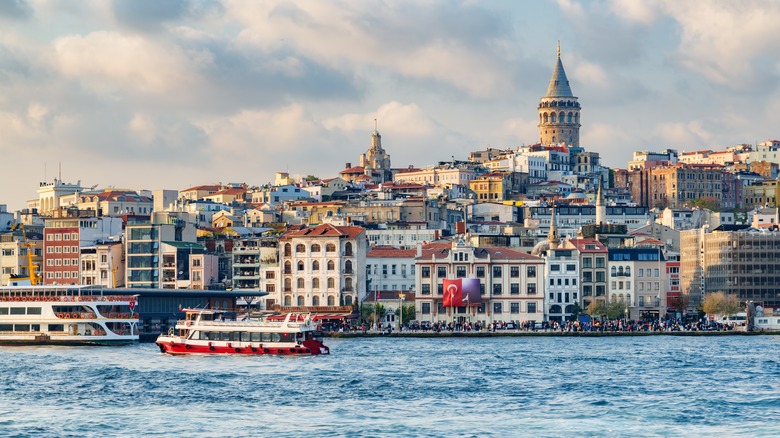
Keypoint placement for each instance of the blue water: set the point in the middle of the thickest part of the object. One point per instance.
(615, 386)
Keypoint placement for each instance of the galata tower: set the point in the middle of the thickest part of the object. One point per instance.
(559, 111)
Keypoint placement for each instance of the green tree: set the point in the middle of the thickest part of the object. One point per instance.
(311, 178)
(409, 313)
(615, 309)
(705, 202)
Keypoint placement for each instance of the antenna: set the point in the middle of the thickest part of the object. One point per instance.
(375, 125)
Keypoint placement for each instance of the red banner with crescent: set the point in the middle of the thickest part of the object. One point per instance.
(453, 293)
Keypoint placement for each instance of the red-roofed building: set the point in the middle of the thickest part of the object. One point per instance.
(199, 192)
(511, 283)
(323, 265)
(113, 202)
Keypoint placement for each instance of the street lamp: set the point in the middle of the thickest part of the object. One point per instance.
(401, 313)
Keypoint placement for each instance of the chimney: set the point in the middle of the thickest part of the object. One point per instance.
(348, 165)
(419, 250)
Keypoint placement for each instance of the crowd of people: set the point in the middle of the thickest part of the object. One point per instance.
(606, 326)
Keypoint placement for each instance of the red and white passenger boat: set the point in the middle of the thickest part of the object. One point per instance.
(206, 332)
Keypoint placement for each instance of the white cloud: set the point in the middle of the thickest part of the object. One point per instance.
(110, 61)
(381, 35)
(638, 11)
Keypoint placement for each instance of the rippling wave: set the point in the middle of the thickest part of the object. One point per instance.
(616, 386)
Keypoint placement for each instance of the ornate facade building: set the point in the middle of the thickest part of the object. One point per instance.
(376, 159)
(559, 111)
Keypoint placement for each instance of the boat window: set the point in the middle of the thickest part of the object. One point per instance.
(22, 328)
(288, 337)
(205, 336)
(33, 310)
(17, 310)
(226, 336)
(56, 327)
(244, 337)
(35, 327)
(255, 337)
(6, 327)
(266, 337)
(275, 337)
(3, 310)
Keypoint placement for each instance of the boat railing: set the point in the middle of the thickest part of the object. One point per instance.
(67, 298)
(272, 324)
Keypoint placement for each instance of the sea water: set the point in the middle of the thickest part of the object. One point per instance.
(531, 386)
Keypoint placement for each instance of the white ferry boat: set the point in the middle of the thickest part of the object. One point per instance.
(206, 332)
(66, 315)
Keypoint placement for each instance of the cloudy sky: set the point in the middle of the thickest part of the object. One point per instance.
(149, 94)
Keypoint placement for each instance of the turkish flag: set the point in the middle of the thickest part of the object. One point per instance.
(453, 293)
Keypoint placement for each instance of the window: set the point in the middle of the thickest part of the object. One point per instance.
(440, 288)
(600, 262)
(514, 289)
(601, 277)
(531, 288)
(315, 266)
(426, 289)
(331, 265)
(587, 262)
(531, 307)
(497, 308)
(531, 272)
(315, 248)
(514, 271)
(514, 308)
(496, 289)
(571, 267)
(426, 308)
(330, 248)
(460, 271)
(497, 271)
(441, 272)
(555, 268)
(331, 283)
(425, 272)
(480, 272)
(300, 283)
(300, 266)
(300, 248)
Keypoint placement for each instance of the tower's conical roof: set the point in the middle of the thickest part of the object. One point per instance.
(559, 84)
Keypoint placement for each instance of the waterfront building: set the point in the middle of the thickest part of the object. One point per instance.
(511, 283)
(573, 217)
(102, 265)
(736, 259)
(323, 265)
(401, 236)
(636, 276)
(169, 234)
(65, 234)
(559, 110)
(593, 280)
(390, 269)
(498, 186)
(14, 247)
(256, 268)
(54, 195)
(562, 270)
(642, 160)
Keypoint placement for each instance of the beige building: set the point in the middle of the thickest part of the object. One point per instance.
(323, 266)
(115, 202)
(446, 175)
(511, 283)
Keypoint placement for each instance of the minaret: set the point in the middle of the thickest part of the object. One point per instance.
(552, 236)
(559, 111)
(601, 208)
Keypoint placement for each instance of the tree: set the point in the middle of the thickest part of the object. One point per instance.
(311, 178)
(409, 313)
(705, 202)
(596, 308)
(718, 303)
(680, 303)
(615, 309)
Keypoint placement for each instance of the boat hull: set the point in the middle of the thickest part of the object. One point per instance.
(171, 346)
